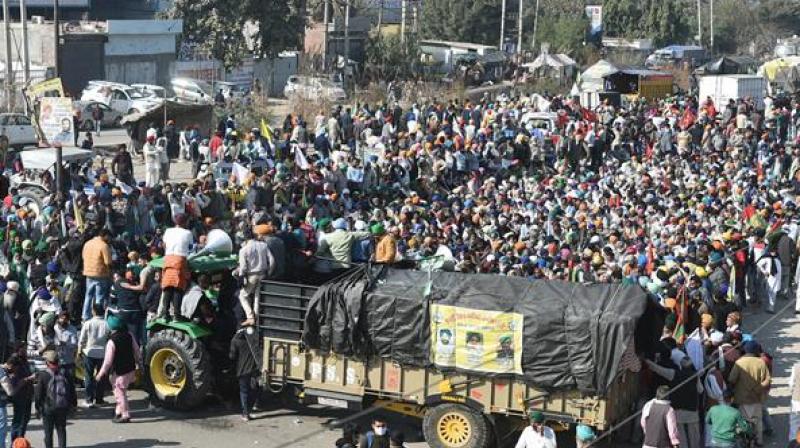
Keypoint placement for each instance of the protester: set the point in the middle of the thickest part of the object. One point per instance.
(245, 353)
(725, 423)
(122, 360)
(377, 436)
(97, 270)
(750, 380)
(54, 397)
(537, 434)
(659, 422)
(92, 344)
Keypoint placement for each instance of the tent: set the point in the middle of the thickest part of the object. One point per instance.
(729, 65)
(558, 66)
(591, 80)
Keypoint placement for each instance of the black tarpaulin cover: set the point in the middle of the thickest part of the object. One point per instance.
(573, 335)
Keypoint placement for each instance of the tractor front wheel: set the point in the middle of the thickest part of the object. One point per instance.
(178, 369)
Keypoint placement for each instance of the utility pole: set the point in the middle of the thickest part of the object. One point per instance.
(9, 59)
(380, 16)
(699, 24)
(519, 32)
(711, 26)
(414, 14)
(502, 24)
(26, 57)
(325, 36)
(57, 32)
(346, 41)
(535, 26)
(403, 4)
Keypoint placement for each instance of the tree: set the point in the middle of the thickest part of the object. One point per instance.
(665, 22)
(387, 58)
(476, 21)
(233, 29)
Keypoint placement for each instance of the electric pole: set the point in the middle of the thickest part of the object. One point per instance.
(346, 42)
(711, 26)
(9, 59)
(699, 24)
(535, 27)
(403, 20)
(502, 24)
(26, 57)
(58, 38)
(414, 13)
(325, 36)
(519, 32)
(380, 16)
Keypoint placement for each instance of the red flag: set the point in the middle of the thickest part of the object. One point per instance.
(588, 115)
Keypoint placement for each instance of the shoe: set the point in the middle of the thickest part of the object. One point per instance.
(88, 404)
(100, 402)
(120, 419)
(770, 310)
(246, 417)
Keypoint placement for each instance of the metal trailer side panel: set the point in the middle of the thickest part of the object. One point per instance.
(353, 380)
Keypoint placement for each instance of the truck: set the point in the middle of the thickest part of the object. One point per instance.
(722, 88)
(458, 410)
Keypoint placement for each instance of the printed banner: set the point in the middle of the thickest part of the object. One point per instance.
(476, 340)
(55, 119)
(595, 15)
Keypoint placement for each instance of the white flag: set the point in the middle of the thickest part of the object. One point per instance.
(240, 172)
(300, 158)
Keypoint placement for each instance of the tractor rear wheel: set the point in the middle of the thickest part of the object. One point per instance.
(179, 373)
(456, 426)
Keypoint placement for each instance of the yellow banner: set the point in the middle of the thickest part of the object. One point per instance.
(476, 340)
(49, 87)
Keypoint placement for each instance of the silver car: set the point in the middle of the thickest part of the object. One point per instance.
(111, 117)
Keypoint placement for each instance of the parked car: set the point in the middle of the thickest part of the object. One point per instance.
(150, 90)
(111, 117)
(17, 130)
(313, 87)
(230, 90)
(192, 90)
(120, 97)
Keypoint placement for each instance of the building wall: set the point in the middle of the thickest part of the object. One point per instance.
(82, 60)
(146, 69)
(272, 74)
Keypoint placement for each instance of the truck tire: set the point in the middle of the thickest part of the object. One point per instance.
(456, 426)
(178, 370)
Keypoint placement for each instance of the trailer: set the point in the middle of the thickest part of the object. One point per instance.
(723, 88)
(457, 409)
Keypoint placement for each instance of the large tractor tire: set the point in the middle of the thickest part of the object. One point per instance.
(456, 426)
(178, 370)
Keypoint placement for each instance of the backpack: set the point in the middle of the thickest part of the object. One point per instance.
(57, 398)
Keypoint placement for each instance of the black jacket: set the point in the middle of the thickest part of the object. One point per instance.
(245, 353)
(40, 390)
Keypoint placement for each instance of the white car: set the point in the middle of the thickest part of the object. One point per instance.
(150, 90)
(17, 128)
(192, 90)
(111, 117)
(312, 88)
(120, 97)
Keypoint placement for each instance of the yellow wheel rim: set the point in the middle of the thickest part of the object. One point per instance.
(454, 429)
(168, 372)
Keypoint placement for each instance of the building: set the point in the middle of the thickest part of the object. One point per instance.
(129, 51)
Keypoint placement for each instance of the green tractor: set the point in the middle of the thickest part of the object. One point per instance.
(185, 359)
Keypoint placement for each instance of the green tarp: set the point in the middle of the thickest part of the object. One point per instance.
(204, 263)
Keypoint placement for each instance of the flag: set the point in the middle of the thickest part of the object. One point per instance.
(300, 159)
(240, 172)
(681, 312)
(266, 131)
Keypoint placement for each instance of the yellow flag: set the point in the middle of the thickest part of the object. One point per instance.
(266, 131)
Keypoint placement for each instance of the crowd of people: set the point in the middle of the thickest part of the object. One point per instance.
(693, 201)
